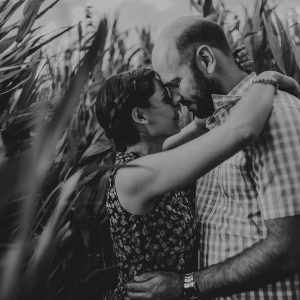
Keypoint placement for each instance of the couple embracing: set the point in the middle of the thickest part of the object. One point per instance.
(239, 238)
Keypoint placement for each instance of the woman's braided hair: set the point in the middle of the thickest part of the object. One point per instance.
(116, 99)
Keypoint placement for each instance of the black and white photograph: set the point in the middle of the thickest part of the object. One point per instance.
(149, 149)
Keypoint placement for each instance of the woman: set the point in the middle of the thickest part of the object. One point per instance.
(149, 202)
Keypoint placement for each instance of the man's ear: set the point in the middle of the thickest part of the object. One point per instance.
(138, 115)
(205, 58)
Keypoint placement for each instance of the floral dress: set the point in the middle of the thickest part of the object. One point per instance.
(162, 240)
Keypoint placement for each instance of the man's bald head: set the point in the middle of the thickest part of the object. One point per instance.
(186, 34)
(192, 55)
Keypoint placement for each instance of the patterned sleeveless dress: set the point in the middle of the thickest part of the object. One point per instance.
(162, 240)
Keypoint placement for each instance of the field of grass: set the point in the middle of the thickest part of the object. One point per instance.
(54, 158)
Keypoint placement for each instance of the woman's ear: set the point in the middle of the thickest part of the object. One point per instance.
(205, 58)
(138, 115)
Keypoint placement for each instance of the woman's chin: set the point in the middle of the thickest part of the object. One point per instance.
(177, 128)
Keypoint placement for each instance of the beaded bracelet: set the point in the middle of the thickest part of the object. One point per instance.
(267, 81)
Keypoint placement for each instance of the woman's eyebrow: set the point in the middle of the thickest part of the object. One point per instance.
(173, 82)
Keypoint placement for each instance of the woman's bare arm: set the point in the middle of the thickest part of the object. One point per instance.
(188, 133)
(156, 174)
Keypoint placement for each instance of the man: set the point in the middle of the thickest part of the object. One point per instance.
(248, 207)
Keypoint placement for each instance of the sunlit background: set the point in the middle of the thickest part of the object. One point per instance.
(154, 13)
(136, 13)
(54, 56)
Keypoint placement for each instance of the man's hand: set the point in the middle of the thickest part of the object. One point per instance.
(156, 285)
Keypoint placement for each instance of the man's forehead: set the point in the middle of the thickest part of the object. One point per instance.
(170, 78)
(166, 62)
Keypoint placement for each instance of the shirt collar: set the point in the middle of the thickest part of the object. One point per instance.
(223, 103)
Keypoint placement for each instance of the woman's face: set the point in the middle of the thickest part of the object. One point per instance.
(163, 117)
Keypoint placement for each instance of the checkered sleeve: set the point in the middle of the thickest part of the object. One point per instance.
(276, 160)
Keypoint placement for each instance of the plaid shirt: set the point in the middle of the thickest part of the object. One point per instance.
(259, 183)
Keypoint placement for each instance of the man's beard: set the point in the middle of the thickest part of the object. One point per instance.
(204, 88)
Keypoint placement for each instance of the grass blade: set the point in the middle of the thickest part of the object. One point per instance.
(30, 14)
(274, 45)
(40, 159)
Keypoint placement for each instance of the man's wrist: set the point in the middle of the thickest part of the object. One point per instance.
(190, 290)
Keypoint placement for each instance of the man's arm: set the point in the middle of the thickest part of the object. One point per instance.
(270, 260)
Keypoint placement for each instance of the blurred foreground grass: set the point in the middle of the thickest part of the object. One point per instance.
(54, 235)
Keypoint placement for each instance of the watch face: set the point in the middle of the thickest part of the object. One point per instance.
(189, 280)
(190, 289)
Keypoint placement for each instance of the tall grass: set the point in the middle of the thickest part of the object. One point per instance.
(44, 121)
(54, 233)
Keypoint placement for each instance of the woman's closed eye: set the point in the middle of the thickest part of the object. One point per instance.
(167, 99)
(168, 92)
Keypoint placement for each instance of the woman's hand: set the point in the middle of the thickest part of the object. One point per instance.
(285, 83)
(243, 59)
(288, 84)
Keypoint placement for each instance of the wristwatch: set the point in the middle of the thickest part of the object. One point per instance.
(190, 290)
